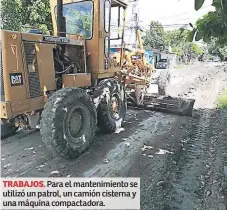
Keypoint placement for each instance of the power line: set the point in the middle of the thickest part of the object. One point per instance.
(179, 15)
(135, 13)
(161, 26)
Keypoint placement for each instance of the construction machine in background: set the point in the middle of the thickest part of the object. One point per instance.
(68, 83)
(135, 61)
(140, 79)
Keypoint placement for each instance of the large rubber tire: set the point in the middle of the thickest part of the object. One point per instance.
(107, 121)
(163, 82)
(68, 122)
(7, 129)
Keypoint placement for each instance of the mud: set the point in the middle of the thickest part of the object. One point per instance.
(181, 160)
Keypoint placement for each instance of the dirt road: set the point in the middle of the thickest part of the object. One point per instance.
(181, 160)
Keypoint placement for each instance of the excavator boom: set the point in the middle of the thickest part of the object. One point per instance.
(140, 40)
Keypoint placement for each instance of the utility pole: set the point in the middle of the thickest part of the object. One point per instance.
(135, 12)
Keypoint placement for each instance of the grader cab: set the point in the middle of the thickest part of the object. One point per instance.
(66, 83)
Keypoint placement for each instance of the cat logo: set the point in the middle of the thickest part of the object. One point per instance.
(16, 79)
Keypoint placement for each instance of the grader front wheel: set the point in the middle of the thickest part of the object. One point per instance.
(68, 122)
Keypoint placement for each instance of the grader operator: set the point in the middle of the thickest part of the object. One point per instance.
(68, 81)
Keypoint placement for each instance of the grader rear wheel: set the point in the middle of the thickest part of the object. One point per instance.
(68, 122)
(163, 82)
(113, 107)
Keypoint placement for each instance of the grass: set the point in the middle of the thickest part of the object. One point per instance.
(222, 100)
(179, 66)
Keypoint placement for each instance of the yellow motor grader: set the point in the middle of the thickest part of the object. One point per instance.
(141, 72)
(67, 82)
(136, 60)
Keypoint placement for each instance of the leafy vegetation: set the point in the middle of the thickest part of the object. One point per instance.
(15, 14)
(222, 101)
(214, 24)
(157, 38)
(212, 28)
(214, 48)
(178, 40)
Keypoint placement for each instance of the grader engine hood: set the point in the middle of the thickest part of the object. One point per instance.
(28, 70)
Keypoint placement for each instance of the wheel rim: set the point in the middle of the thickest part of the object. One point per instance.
(76, 124)
(115, 106)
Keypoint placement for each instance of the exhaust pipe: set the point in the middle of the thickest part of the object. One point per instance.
(61, 22)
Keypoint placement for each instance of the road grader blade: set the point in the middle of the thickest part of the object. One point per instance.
(141, 99)
(167, 104)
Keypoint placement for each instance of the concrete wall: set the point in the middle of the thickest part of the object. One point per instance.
(172, 58)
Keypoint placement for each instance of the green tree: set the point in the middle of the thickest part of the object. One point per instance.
(11, 17)
(155, 36)
(15, 14)
(178, 40)
(212, 25)
(215, 49)
(175, 37)
(223, 51)
(212, 28)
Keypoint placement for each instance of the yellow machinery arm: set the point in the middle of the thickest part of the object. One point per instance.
(139, 39)
(141, 51)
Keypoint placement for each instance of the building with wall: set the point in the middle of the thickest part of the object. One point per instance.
(172, 57)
